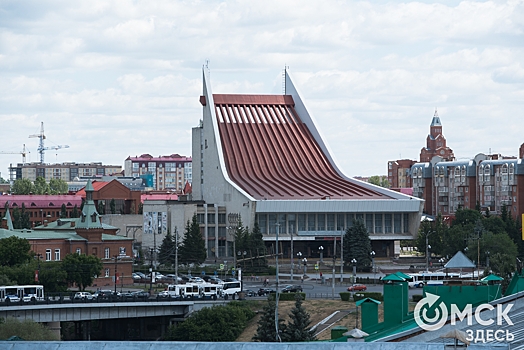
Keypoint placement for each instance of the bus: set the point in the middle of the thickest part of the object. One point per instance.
(420, 279)
(26, 293)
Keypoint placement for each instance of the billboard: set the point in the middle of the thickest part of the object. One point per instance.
(155, 222)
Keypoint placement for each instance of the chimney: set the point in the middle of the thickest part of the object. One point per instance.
(45, 223)
(73, 223)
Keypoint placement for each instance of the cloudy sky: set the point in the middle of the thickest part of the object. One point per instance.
(113, 79)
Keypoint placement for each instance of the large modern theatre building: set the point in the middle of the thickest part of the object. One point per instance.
(261, 158)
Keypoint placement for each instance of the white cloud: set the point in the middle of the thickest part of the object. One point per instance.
(120, 78)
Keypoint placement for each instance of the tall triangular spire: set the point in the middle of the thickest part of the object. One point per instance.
(7, 217)
(436, 119)
(89, 217)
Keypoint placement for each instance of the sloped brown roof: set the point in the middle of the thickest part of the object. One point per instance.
(270, 153)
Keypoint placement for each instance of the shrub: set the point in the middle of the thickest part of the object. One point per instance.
(417, 297)
(345, 296)
(286, 296)
(373, 295)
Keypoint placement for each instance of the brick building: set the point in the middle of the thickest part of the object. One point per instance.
(84, 235)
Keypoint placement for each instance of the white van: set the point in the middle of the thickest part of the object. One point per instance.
(231, 289)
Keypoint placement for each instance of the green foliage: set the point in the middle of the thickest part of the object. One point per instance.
(215, 324)
(345, 296)
(285, 296)
(502, 265)
(5, 280)
(417, 297)
(357, 245)
(101, 209)
(298, 329)
(112, 206)
(435, 232)
(58, 186)
(52, 276)
(41, 186)
(363, 295)
(193, 249)
(166, 255)
(27, 329)
(21, 218)
(22, 186)
(251, 243)
(381, 181)
(63, 211)
(75, 213)
(14, 251)
(266, 331)
(81, 269)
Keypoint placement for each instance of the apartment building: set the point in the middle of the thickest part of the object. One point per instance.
(68, 171)
(169, 172)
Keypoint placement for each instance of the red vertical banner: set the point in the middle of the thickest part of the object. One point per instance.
(117, 277)
(36, 275)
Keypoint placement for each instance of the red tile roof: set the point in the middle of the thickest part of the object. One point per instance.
(270, 153)
(159, 197)
(97, 185)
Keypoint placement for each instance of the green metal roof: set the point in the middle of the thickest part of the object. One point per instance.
(31, 234)
(492, 277)
(361, 301)
(393, 277)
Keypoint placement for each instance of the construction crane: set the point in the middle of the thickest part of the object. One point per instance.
(41, 147)
(23, 153)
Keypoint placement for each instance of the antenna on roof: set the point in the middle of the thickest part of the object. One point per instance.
(207, 66)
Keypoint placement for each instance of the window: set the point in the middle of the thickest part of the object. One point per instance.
(106, 273)
(211, 231)
(48, 255)
(330, 222)
(397, 222)
(78, 250)
(311, 222)
(378, 223)
(262, 223)
(387, 223)
(292, 223)
(369, 222)
(321, 222)
(57, 254)
(301, 222)
(210, 218)
(200, 218)
(106, 253)
(340, 222)
(221, 218)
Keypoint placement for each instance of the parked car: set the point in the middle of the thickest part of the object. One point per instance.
(140, 274)
(265, 291)
(103, 294)
(212, 279)
(83, 296)
(172, 278)
(196, 280)
(292, 289)
(140, 295)
(357, 288)
(231, 279)
(12, 298)
(250, 293)
(136, 277)
(163, 294)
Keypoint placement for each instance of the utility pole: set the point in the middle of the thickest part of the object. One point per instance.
(277, 336)
(291, 235)
(176, 255)
(116, 273)
(334, 262)
(341, 256)
(151, 270)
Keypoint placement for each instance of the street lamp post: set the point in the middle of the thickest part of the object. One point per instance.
(291, 254)
(305, 266)
(487, 259)
(373, 264)
(354, 262)
(116, 273)
(277, 336)
(38, 271)
(428, 247)
(321, 250)
(151, 250)
(176, 255)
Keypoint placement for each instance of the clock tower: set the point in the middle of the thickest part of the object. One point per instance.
(436, 143)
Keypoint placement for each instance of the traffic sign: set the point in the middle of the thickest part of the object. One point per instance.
(316, 266)
(221, 266)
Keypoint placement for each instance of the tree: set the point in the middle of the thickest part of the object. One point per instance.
(266, 331)
(81, 269)
(166, 255)
(435, 232)
(58, 186)
(357, 245)
(75, 213)
(21, 218)
(27, 329)
(41, 186)
(112, 206)
(214, 324)
(22, 186)
(257, 247)
(52, 276)
(101, 208)
(63, 211)
(381, 181)
(298, 330)
(14, 251)
(193, 249)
